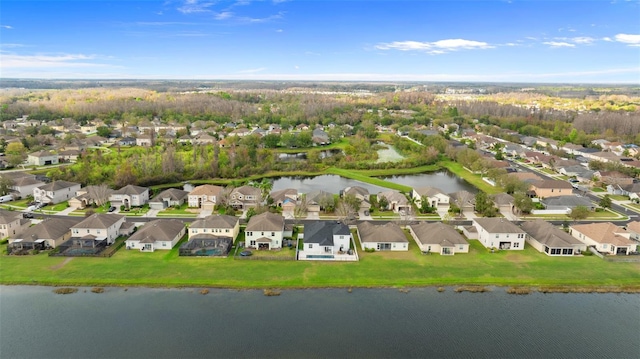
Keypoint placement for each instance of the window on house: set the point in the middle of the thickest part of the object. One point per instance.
(273, 234)
(310, 245)
(516, 245)
(497, 236)
(252, 243)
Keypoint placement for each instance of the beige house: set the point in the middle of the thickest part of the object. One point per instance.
(12, 223)
(551, 188)
(42, 158)
(550, 240)
(265, 231)
(245, 197)
(205, 197)
(169, 198)
(279, 197)
(605, 237)
(438, 237)
(100, 226)
(162, 234)
(634, 230)
(382, 237)
(499, 233)
(434, 196)
(397, 202)
(216, 225)
(49, 233)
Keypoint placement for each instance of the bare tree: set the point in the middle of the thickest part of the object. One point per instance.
(99, 194)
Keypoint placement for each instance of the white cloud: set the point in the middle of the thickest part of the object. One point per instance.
(195, 6)
(436, 47)
(631, 39)
(12, 46)
(608, 39)
(583, 40)
(557, 44)
(279, 30)
(223, 15)
(48, 61)
(8, 27)
(252, 71)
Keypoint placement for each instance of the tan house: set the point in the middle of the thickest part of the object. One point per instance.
(216, 225)
(438, 237)
(397, 202)
(605, 237)
(12, 223)
(382, 237)
(245, 197)
(49, 233)
(99, 226)
(551, 240)
(205, 197)
(551, 188)
(169, 198)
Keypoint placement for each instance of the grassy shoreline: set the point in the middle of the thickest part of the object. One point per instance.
(526, 268)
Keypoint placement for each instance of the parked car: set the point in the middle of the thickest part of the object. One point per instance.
(245, 253)
(27, 215)
(111, 209)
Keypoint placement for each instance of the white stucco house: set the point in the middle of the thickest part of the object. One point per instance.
(550, 240)
(499, 233)
(325, 238)
(42, 158)
(437, 237)
(265, 231)
(100, 226)
(130, 196)
(161, 234)
(55, 192)
(205, 196)
(433, 195)
(216, 225)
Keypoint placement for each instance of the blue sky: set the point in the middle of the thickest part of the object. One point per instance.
(504, 41)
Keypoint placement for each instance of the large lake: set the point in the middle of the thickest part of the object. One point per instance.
(443, 180)
(322, 323)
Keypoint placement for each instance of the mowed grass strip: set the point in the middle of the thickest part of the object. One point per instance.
(378, 269)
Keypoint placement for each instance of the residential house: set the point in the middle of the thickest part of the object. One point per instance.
(499, 233)
(634, 230)
(49, 233)
(204, 139)
(325, 238)
(171, 197)
(615, 178)
(604, 157)
(55, 192)
(158, 234)
(99, 227)
(265, 231)
(42, 158)
(145, 140)
(90, 195)
(437, 237)
(525, 176)
(68, 155)
(317, 200)
(12, 223)
(319, 137)
(434, 197)
(127, 141)
(22, 184)
(205, 196)
(605, 237)
(551, 188)
(382, 237)
(88, 128)
(245, 197)
(216, 225)
(567, 203)
(130, 196)
(361, 194)
(551, 240)
(504, 203)
(464, 200)
(396, 201)
(581, 173)
(279, 197)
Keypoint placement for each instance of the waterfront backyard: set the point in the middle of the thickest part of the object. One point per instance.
(378, 269)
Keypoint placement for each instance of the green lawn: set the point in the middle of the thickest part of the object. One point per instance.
(619, 197)
(183, 210)
(363, 176)
(472, 178)
(19, 204)
(598, 189)
(480, 267)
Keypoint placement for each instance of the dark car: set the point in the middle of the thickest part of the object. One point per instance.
(245, 253)
(27, 215)
(111, 209)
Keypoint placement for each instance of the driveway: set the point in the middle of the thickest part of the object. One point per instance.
(152, 213)
(67, 211)
(508, 215)
(313, 215)
(204, 213)
(364, 217)
(469, 214)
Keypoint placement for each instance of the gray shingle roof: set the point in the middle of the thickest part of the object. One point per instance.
(173, 194)
(215, 221)
(51, 228)
(498, 225)
(549, 235)
(99, 220)
(266, 221)
(381, 233)
(322, 232)
(158, 230)
(437, 233)
(57, 185)
(131, 190)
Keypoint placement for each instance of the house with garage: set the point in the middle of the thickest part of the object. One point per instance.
(265, 231)
(361, 193)
(42, 158)
(50, 233)
(464, 200)
(437, 237)
(382, 237)
(434, 196)
(130, 196)
(566, 204)
(12, 223)
(22, 184)
(326, 240)
(551, 188)
(634, 230)
(318, 200)
(216, 225)
(279, 197)
(100, 226)
(205, 196)
(605, 237)
(499, 233)
(396, 201)
(171, 197)
(161, 234)
(504, 202)
(245, 197)
(551, 240)
(55, 192)
(90, 195)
